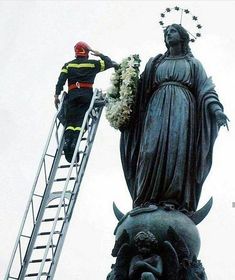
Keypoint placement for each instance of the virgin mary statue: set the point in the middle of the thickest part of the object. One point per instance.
(166, 151)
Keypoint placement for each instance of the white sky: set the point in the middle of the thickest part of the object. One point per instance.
(37, 38)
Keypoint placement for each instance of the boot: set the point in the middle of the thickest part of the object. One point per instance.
(68, 138)
(67, 145)
(74, 143)
(68, 156)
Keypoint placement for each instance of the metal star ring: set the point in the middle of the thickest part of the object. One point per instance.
(182, 17)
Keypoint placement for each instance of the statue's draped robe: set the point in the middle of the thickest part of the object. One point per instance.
(167, 150)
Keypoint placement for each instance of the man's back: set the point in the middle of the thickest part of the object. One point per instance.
(82, 70)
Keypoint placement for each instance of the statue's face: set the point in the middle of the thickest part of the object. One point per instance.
(172, 36)
(144, 247)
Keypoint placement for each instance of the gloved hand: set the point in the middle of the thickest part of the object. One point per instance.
(95, 53)
(56, 101)
(115, 65)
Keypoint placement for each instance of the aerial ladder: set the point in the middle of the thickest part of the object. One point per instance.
(52, 199)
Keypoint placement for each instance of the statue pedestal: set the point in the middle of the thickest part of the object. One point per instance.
(156, 242)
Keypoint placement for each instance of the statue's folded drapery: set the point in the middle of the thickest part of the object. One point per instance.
(167, 150)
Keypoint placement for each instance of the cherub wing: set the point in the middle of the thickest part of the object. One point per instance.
(178, 243)
(123, 253)
(124, 238)
(123, 262)
(170, 261)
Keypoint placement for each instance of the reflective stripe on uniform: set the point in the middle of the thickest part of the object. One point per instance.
(64, 70)
(102, 65)
(77, 128)
(81, 65)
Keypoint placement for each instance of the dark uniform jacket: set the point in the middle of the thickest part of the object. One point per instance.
(82, 70)
(77, 100)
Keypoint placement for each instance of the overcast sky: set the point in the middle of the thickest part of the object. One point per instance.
(37, 38)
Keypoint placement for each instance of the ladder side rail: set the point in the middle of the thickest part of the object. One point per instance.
(85, 122)
(87, 151)
(56, 119)
(85, 159)
(73, 199)
(31, 194)
(66, 184)
(84, 162)
(41, 212)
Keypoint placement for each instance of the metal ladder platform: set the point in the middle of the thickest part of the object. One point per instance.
(52, 199)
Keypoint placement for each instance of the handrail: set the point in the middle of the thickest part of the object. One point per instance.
(33, 189)
(66, 185)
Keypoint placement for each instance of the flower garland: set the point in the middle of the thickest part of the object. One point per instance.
(121, 95)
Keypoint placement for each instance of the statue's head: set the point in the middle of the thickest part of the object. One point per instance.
(145, 242)
(183, 36)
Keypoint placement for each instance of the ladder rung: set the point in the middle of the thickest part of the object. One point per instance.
(50, 155)
(52, 219)
(36, 274)
(56, 205)
(37, 195)
(23, 235)
(11, 277)
(67, 166)
(48, 233)
(40, 260)
(64, 179)
(43, 247)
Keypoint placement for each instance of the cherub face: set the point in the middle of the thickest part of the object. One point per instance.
(144, 247)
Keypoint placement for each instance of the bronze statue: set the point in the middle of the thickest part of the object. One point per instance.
(146, 264)
(146, 258)
(167, 149)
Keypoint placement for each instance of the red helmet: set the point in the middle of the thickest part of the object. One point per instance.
(81, 49)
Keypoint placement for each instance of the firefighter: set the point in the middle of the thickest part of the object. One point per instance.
(80, 74)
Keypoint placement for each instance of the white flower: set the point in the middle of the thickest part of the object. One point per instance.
(121, 94)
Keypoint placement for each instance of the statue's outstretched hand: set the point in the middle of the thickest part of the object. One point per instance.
(221, 119)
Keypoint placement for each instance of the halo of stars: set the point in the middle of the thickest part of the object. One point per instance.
(183, 12)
